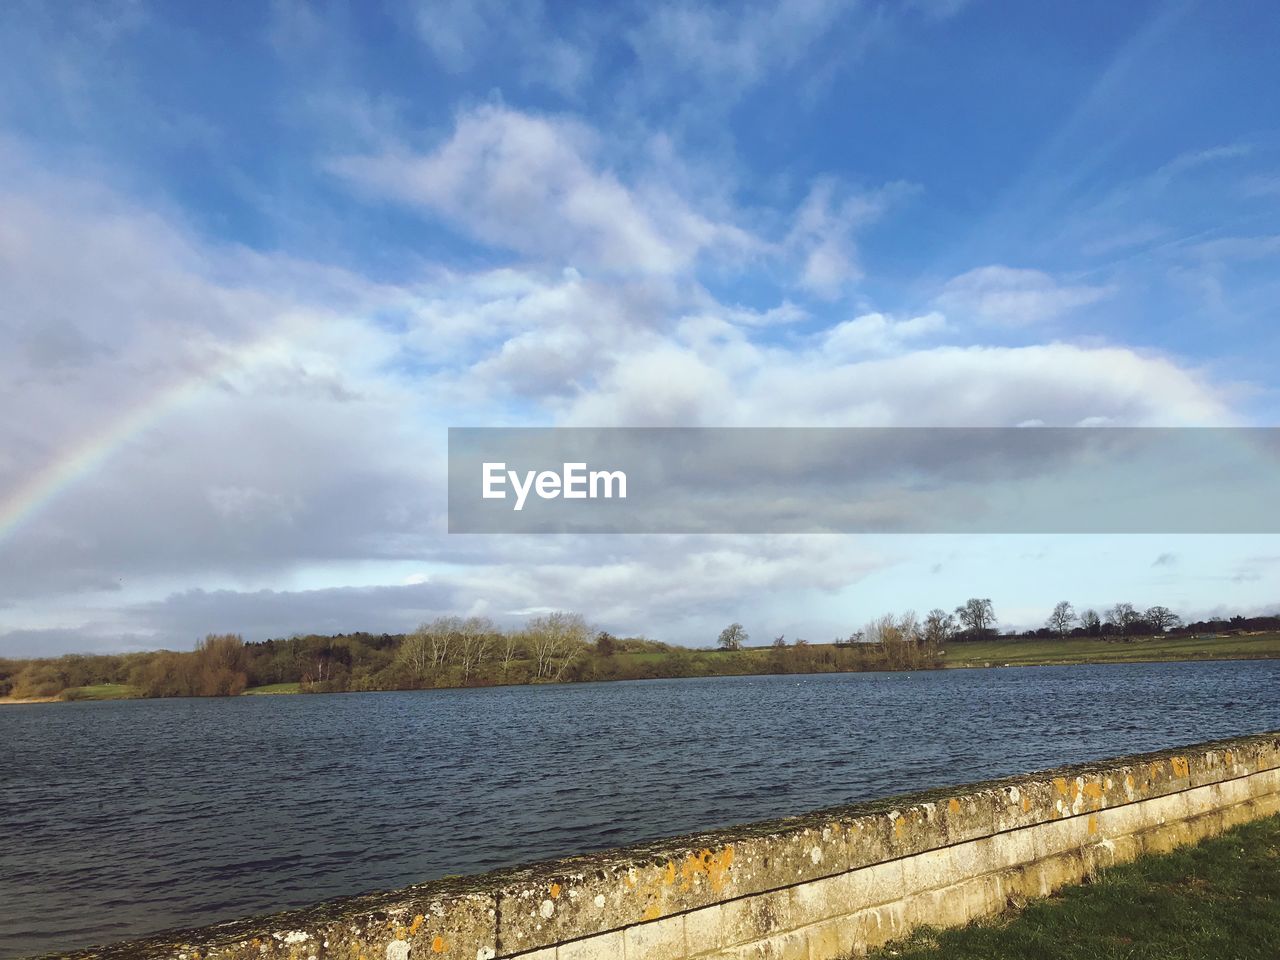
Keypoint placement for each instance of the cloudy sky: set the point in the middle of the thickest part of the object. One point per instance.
(256, 258)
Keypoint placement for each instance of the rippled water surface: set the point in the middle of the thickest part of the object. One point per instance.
(120, 819)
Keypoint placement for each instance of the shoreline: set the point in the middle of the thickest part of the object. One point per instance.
(943, 666)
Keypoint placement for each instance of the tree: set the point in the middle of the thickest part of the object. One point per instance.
(416, 651)
(555, 641)
(220, 666)
(474, 636)
(1061, 619)
(510, 648)
(1162, 619)
(978, 616)
(606, 644)
(939, 627)
(732, 637)
(1123, 616)
(1091, 622)
(897, 639)
(780, 641)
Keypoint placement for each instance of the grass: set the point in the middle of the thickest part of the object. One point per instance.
(100, 691)
(274, 688)
(1028, 652)
(1218, 900)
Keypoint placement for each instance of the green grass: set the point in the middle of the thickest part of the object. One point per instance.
(274, 688)
(1219, 900)
(100, 691)
(1027, 652)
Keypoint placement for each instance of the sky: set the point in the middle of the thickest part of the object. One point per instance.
(257, 258)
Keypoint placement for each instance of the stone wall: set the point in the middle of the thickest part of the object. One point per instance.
(824, 885)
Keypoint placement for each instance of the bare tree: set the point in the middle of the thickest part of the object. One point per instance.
(978, 616)
(555, 641)
(1091, 622)
(1061, 619)
(1123, 616)
(1162, 619)
(780, 641)
(939, 627)
(897, 637)
(510, 646)
(416, 651)
(442, 632)
(474, 636)
(888, 629)
(732, 637)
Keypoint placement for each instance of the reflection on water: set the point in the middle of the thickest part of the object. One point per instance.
(120, 819)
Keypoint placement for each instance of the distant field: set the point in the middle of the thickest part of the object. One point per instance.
(1029, 652)
(100, 691)
(274, 688)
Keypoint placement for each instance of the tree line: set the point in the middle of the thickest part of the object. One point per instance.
(559, 647)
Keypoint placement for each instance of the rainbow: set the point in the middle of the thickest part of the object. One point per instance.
(83, 459)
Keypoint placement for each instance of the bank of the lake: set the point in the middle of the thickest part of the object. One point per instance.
(765, 661)
(128, 817)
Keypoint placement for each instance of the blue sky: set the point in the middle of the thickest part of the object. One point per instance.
(258, 256)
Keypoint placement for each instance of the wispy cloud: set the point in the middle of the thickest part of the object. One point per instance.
(529, 183)
(1013, 297)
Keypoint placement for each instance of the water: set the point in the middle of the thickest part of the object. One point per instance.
(120, 819)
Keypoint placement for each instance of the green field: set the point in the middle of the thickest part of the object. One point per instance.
(996, 653)
(100, 691)
(274, 688)
(1219, 900)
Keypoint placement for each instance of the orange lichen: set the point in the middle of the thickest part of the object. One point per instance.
(1181, 768)
(1026, 803)
(1093, 791)
(554, 890)
(953, 805)
(718, 867)
(418, 921)
(1061, 784)
(437, 945)
(1093, 823)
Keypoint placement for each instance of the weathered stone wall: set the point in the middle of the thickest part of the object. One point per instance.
(824, 885)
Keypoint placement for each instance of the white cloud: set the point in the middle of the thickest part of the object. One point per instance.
(823, 234)
(737, 383)
(465, 34)
(531, 184)
(727, 51)
(875, 333)
(1010, 297)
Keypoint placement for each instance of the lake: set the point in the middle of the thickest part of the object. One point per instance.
(118, 819)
